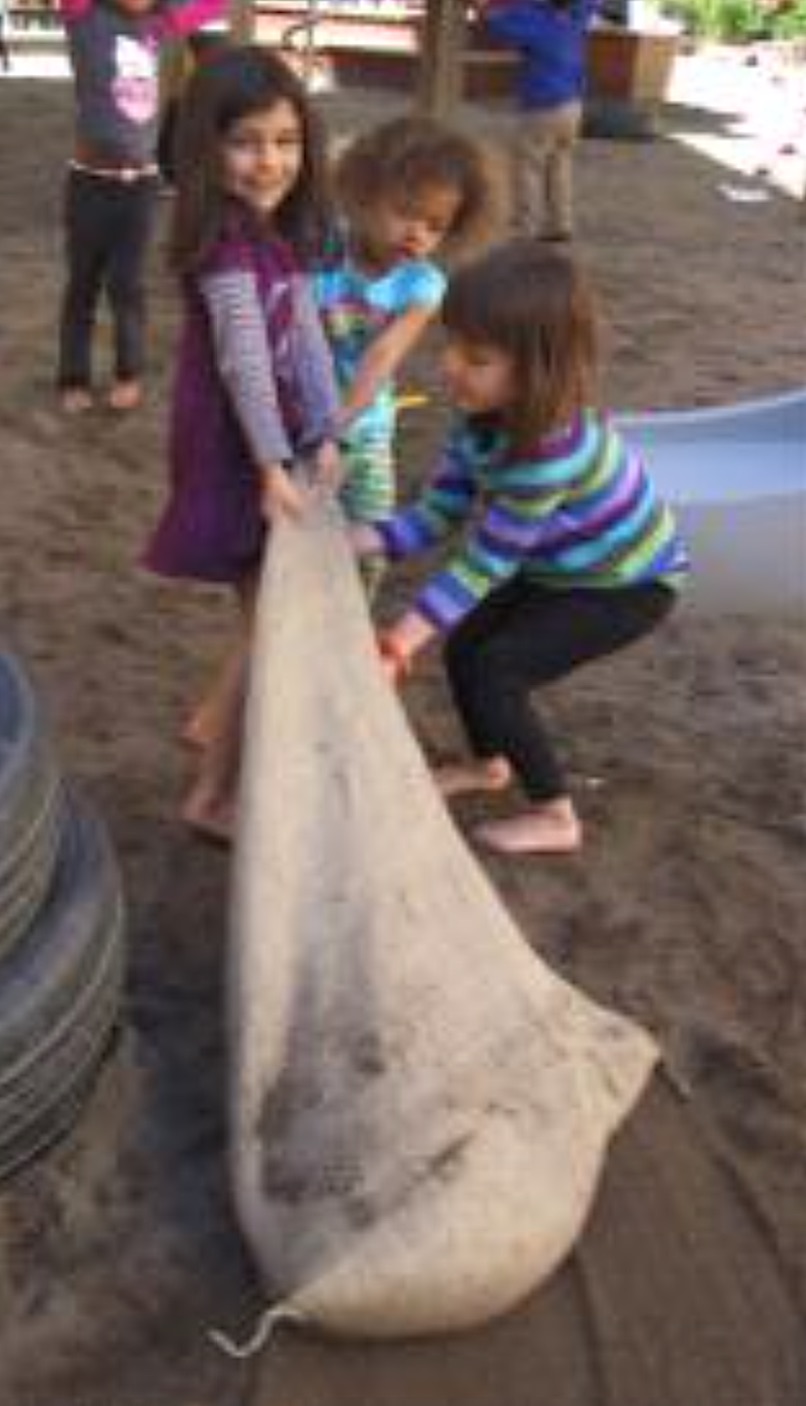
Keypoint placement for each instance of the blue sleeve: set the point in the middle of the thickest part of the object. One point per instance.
(419, 284)
(527, 24)
(442, 506)
(523, 25)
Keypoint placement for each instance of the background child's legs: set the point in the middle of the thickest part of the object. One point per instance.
(559, 189)
(166, 141)
(522, 636)
(87, 230)
(132, 222)
(543, 171)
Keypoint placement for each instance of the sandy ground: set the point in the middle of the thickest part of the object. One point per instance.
(688, 1288)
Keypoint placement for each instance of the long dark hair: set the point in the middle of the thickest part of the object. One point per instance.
(536, 304)
(228, 86)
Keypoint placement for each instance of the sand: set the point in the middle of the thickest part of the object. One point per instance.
(688, 1288)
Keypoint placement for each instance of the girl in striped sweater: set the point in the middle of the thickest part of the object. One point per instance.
(567, 554)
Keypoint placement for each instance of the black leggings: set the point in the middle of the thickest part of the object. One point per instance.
(524, 635)
(108, 224)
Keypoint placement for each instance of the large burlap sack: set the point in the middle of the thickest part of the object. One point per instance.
(420, 1107)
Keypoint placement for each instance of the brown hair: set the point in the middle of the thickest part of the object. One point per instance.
(229, 85)
(536, 304)
(412, 154)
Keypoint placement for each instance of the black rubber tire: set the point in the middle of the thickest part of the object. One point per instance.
(60, 992)
(26, 880)
(31, 806)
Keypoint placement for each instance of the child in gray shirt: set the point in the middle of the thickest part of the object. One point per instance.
(112, 181)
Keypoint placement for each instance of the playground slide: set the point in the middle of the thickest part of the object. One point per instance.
(736, 477)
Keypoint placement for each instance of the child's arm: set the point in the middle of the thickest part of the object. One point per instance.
(526, 25)
(516, 520)
(320, 405)
(513, 524)
(279, 495)
(491, 555)
(442, 507)
(185, 16)
(518, 23)
(244, 363)
(181, 17)
(410, 633)
(72, 10)
(382, 359)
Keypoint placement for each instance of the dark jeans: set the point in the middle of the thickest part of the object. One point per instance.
(108, 223)
(166, 141)
(522, 636)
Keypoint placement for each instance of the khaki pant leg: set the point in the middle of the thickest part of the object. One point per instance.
(543, 170)
(528, 161)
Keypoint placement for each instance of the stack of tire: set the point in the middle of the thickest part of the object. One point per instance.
(61, 933)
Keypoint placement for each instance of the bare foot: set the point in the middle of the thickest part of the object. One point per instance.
(76, 400)
(494, 774)
(213, 821)
(125, 395)
(553, 828)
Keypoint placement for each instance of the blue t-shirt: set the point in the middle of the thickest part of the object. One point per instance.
(552, 40)
(356, 307)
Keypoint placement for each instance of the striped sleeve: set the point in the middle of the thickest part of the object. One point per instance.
(580, 513)
(522, 507)
(508, 532)
(318, 392)
(443, 507)
(244, 361)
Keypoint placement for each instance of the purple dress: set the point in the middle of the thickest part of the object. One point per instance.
(254, 385)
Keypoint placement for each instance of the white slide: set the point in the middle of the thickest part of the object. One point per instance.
(736, 478)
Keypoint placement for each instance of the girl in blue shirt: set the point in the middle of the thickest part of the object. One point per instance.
(406, 189)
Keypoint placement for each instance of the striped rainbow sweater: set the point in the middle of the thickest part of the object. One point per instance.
(580, 512)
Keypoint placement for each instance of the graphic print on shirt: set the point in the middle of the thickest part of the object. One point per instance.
(353, 324)
(134, 85)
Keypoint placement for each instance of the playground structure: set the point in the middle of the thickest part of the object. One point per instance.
(406, 44)
(353, 44)
(434, 49)
(736, 476)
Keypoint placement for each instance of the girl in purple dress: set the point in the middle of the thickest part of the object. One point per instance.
(254, 392)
